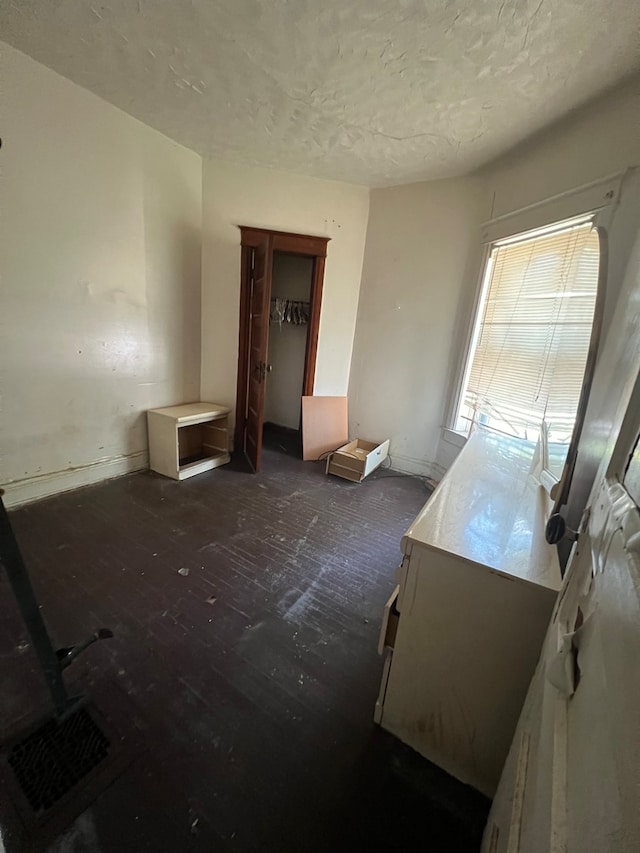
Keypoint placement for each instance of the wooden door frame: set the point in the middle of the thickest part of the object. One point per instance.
(293, 244)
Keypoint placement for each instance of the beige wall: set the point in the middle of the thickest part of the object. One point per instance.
(594, 142)
(590, 143)
(101, 281)
(287, 343)
(422, 263)
(418, 242)
(245, 195)
(101, 246)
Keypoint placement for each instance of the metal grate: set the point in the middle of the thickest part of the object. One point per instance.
(51, 760)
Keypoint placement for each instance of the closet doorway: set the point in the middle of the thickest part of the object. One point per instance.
(280, 298)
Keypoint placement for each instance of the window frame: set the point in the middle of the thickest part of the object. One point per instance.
(493, 248)
(597, 201)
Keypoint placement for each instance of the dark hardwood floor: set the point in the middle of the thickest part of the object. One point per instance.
(243, 689)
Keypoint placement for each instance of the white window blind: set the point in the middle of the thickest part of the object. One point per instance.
(532, 334)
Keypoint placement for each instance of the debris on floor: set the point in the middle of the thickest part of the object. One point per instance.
(184, 572)
(278, 738)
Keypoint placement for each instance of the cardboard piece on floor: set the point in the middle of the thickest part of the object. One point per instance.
(325, 425)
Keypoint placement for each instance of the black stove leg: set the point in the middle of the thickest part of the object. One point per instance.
(51, 662)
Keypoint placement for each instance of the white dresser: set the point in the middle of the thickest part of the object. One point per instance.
(463, 630)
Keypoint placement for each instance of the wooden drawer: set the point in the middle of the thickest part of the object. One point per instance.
(390, 619)
(377, 713)
(357, 459)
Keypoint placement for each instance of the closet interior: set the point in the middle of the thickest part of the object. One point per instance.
(289, 316)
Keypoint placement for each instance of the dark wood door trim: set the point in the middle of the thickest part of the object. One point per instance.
(258, 349)
(283, 241)
(242, 388)
(313, 330)
(296, 244)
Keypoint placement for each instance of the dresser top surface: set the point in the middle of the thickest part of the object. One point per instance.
(489, 510)
(189, 411)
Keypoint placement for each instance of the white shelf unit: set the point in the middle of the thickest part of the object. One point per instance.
(189, 439)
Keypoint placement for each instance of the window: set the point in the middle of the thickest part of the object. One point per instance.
(532, 334)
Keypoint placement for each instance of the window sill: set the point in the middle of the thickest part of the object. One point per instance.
(458, 439)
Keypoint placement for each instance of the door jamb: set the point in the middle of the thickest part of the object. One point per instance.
(293, 244)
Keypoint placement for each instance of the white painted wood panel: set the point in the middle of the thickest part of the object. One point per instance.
(489, 510)
(171, 445)
(466, 647)
(583, 705)
(477, 588)
(192, 413)
(584, 766)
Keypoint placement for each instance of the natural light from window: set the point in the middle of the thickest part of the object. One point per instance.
(529, 347)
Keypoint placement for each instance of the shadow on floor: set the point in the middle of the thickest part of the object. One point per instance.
(244, 687)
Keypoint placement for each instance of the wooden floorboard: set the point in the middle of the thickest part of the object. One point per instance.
(251, 716)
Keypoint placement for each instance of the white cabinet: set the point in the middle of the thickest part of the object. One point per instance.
(477, 586)
(189, 439)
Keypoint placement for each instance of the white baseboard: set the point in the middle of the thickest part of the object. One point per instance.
(421, 467)
(30, 489)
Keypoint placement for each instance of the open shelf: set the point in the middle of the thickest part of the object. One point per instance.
(187, 440)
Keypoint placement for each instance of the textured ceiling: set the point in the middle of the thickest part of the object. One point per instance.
(368, 91)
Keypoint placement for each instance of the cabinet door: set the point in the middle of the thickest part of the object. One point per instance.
(389, 626)
(467, 644)
(573, 789)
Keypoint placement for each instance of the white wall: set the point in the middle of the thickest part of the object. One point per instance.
(101, 247)
(592, 143)
(418, 243)
(588, 144)
(422, 263)
(287, 342)
(245, 195)
(596, 141)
